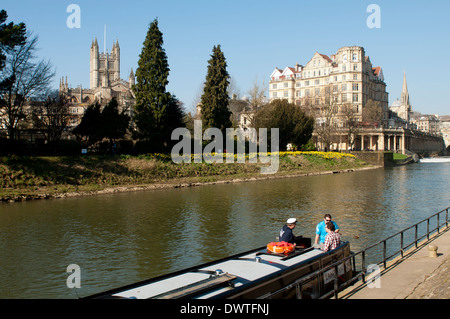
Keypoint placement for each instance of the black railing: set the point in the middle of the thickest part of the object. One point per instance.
(361, 274)
(360, 257)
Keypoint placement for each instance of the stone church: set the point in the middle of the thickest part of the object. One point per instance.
(105, 83)
(403, 107)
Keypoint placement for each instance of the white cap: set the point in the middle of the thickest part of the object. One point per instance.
(291, 221)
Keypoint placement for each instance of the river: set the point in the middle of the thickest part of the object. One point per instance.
(123, 238)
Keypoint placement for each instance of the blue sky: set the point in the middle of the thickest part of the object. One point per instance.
(255, 36)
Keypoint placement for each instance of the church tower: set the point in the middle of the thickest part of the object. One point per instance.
(94, 69)
(116, 57)
(405, 108)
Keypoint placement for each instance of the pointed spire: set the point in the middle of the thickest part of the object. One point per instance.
(405, 93)
(405, 87)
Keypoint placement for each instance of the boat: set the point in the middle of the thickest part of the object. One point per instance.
(253, 274)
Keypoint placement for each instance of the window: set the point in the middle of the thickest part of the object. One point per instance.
(275, 95)
(286, 94)
(355, 57)
(316, 82)
(317, 91)
(344, 58)
(274, 86)
(355, 67)
(306, 83)
(355, 97)
(355, 87)
(335, 88)
(286, 84)
(355, 76)
(344, 87)
(344, 97)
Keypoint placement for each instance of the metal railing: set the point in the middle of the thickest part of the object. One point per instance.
(361, 273)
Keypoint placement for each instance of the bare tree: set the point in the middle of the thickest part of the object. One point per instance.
(350, 123)
(27, 78)
(372, 112)
(52, 116)
(323, 107)
(233, 88)
(257, 94)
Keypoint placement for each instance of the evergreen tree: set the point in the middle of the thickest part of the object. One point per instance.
(11, 35)
(293, 124)
(214, 101)
(88, 129)
(113, 124)
(157, 112)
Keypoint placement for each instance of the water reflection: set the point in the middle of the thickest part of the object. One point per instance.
(123, 238)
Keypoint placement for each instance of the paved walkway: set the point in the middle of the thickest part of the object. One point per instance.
(416, 276)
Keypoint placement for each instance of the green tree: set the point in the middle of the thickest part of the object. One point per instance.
(88, 129)
(157, 112)
(293, 124)
(11, 35)
(113, 125)
(214, 101)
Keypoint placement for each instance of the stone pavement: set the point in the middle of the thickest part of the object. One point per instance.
(416, 276)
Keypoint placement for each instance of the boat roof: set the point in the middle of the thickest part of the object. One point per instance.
(215, 278)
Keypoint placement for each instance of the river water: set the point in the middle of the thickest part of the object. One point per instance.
(123, 238)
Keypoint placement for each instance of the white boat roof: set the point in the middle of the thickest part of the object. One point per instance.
(245, 268)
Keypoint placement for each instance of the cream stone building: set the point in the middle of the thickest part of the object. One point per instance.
(344, 78)
(427, 123)
(105, 83)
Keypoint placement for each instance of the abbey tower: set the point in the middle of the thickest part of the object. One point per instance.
(104, 67)
(105, 83)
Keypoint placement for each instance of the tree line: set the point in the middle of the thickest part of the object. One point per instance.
(155, 115)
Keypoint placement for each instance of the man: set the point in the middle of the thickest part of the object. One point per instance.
(286, 232)
(332, 239)
(321, 232)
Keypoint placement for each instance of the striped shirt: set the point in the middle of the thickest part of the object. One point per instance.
(332, 241)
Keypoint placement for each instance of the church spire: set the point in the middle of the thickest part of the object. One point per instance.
(405, 94)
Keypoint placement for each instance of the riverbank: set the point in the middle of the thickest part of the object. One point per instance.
(416, 276)
(29, 178)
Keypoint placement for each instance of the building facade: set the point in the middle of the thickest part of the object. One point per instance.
(346, 78)
(105, 83)
(428, 123)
